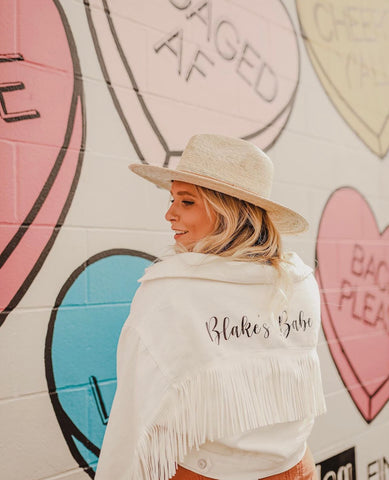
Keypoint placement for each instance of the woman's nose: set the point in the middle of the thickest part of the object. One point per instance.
(171, 213)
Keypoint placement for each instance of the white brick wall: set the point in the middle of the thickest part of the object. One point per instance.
(315, 154)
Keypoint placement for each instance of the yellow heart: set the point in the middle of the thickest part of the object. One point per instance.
(348, 44)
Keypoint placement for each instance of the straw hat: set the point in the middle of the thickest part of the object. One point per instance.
(228, 165)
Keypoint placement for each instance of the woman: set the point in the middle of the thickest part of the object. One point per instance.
(217, 371)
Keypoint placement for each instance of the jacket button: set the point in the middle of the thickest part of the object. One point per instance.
(202, 463)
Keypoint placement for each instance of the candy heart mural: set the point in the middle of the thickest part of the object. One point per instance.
(41, 138)
(353, 273)
(175, 68)
(347, 43)
(81, 342)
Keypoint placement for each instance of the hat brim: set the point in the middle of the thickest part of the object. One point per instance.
(287, 221)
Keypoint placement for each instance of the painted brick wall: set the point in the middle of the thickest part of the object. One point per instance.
(88, 87)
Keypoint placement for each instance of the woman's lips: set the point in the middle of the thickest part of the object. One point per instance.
(179, 235)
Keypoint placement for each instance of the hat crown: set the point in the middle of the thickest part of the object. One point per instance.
(229, 160)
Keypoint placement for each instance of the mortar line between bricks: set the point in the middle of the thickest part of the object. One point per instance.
(65, 474)
(24, 396)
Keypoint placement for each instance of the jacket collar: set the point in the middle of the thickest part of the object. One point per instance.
(214, 267)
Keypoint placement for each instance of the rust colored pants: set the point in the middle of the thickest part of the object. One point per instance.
(304, 470)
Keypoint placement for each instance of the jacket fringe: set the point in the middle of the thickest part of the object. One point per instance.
(224, 401)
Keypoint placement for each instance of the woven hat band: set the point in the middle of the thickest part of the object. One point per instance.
(247, 168)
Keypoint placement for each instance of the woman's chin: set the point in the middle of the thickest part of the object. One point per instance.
(181, 242)
(186, 243)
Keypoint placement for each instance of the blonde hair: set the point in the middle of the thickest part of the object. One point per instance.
(242, 231)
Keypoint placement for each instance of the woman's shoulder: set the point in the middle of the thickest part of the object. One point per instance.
(296, 267)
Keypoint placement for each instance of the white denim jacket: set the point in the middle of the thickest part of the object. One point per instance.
(210, 354)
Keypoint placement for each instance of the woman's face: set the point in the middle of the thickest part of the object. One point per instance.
(187, 214)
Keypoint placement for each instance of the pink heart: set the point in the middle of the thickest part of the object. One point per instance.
(353, 273)
(40, 139)
(180, 67)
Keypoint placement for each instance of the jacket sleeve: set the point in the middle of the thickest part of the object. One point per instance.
(135, 368)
